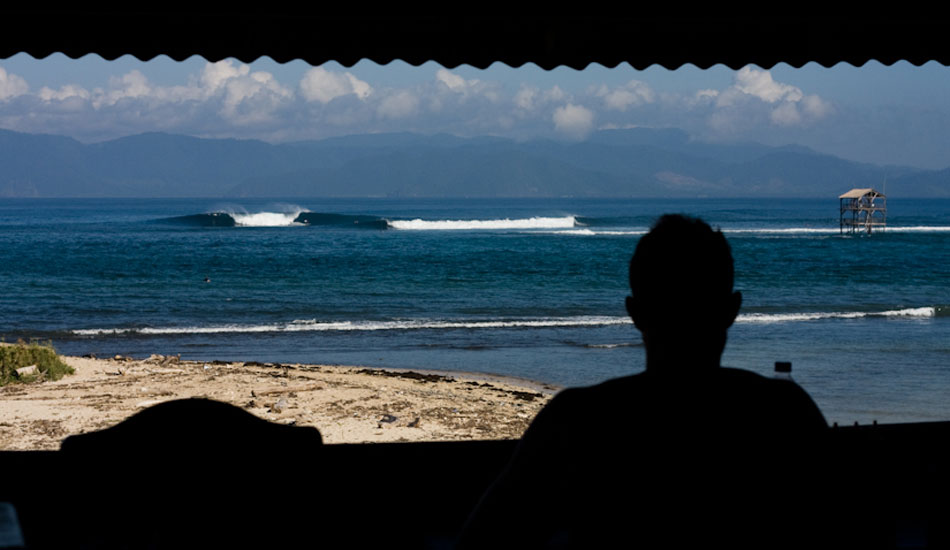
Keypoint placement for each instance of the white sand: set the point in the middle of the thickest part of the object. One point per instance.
(347, 404)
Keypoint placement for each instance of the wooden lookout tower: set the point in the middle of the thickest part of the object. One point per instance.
(862, 210)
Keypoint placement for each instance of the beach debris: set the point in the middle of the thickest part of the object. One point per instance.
(414, 423)
(386, 419)
(163, 360)
(251, 404)
(407, 374)
(524, 395)
(279, 406)
(206, 366)
(289, 391)
(27, 371)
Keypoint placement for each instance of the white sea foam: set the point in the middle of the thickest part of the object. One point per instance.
(265, 219)
(507, 223)
(791, 317)
(784, 230)
(919, 229)
(584, 232)
(313, 325)
(911, 312)
(836, 230)
(757, 231)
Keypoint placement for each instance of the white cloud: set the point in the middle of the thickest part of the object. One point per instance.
(133, 84)
(319, 84)
(467, 89)
(573, 120)
(252, 98)
(237, 95)
(793, 113)
(756, 96)
(760, 84)
(453, 81)
(66, 92)
(398, 105)
(631, 94)
(786, 114)
(215, 75)
(816, 107)
(555, 94)
(526, 97)
(11, 85)
(531, 98)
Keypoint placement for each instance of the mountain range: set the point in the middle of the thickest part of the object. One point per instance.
(637, 162)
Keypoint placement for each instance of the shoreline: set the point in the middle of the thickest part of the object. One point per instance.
(348, 404)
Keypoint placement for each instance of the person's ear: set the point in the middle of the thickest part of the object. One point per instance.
(633, 310)
(734, 303)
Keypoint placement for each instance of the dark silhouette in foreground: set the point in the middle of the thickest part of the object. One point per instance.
(685, 453)
(182, 476)
(185, 428)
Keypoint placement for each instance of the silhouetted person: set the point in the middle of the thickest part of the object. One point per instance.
(686, 453)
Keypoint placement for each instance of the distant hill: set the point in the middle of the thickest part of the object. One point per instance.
(638, 162)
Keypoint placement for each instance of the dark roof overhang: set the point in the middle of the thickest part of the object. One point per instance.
(641, 40)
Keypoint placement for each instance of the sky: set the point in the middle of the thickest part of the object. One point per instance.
(877, 114)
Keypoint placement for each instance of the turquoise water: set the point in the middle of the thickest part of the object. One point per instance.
(526, 288)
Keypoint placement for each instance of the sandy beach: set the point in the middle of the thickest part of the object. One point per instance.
(347, 404)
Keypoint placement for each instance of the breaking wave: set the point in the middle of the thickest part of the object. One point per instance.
(585, 232)
(278, 219)
(507, 223)
(313, 325)
(557, 225)
(917, 312)
(305, 218)
(266, 219)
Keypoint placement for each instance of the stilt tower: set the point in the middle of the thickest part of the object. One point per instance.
(863, 210)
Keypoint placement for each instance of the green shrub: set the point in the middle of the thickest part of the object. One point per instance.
(21, 354)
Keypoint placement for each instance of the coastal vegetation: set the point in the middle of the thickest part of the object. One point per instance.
(23, 362)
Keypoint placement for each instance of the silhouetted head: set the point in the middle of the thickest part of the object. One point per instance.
(681, 277)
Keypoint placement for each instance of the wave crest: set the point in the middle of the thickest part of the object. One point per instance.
(313, 325)
(506, 223)
(917, 312)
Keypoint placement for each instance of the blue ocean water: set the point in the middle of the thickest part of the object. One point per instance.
(531, 288)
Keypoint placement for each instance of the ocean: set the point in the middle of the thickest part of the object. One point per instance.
(529, 288)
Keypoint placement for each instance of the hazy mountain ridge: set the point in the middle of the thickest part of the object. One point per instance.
(635, 162)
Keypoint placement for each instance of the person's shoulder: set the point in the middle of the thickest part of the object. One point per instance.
(786, 397)
(742, 376)
(600, 401)
(599, 393)
(749, 381)
(746, 375)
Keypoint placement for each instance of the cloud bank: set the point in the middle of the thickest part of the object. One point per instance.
(232, 99)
